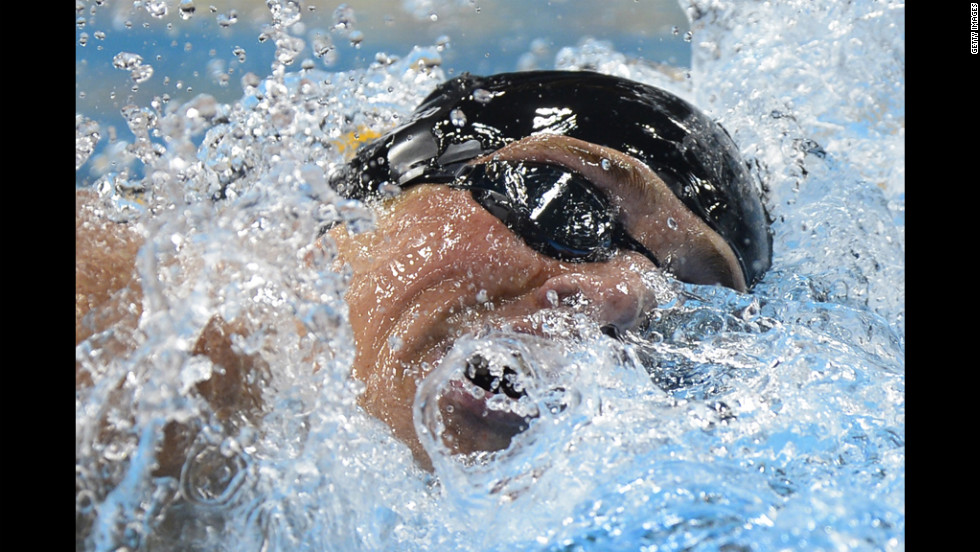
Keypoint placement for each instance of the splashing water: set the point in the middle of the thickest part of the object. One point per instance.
(765, 421)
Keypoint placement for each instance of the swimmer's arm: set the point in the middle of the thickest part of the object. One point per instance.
(108, 298)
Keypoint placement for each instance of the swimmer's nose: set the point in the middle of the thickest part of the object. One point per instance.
(610, 298)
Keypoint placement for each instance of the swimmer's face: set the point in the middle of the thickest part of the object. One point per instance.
(439, 266)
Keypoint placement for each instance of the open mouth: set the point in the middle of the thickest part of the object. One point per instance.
(499, 381)
(479, 400)
(486, 408)
(493, 397)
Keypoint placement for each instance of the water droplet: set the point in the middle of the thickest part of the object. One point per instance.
(83, 39)
(675, 30)
(99, 35)
(395, 343)
(552, 297)
(85, 501)
(156, 8)
(134, 63)
(230, 447)
(671, 223)
(127, 60)
(688, 36)
(442, 43)
(285, 13)
(139, 120)
(142, 73)
(322, 45)
(343, 18)
(250, 80)
(433, 17)
(481, 296)
(356, 37)
(239, 53)
(87, 135)
(457, 117)
(216, 70)
(227, 20)
(605, 164)
(186, 9)
(482, 95)
(288, 48)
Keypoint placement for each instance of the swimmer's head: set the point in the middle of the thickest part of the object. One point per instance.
(531, 196)
(469, 118)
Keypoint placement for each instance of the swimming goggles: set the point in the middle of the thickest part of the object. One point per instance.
(556, 211)
(470, 116)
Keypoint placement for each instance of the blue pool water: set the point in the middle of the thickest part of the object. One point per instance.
(742, 422)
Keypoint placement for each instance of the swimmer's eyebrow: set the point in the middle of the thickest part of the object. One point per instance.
(623, 173)
(617, 169)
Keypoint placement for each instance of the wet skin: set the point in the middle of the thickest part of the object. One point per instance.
(438, 266)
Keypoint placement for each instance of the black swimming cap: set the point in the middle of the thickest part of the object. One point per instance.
(470, 116)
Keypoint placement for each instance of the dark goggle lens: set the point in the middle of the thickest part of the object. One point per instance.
(556, 211)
